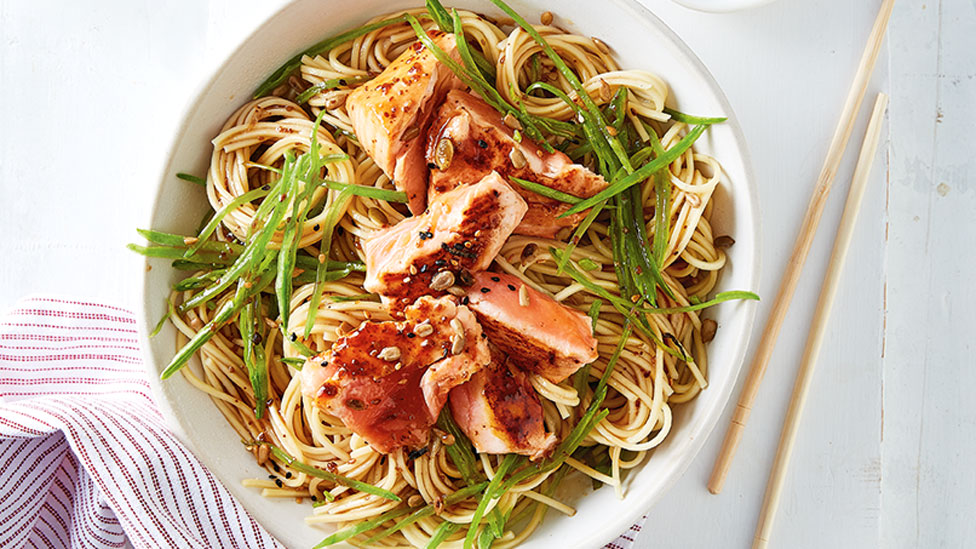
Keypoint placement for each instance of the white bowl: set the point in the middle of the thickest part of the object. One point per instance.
(722, 5)
(641, 41)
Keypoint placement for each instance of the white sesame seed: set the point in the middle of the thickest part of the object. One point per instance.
(390, 354)
(423, 329)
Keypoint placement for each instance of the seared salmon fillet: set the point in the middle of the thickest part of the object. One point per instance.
(387, 381)
(467, 354)
(481, 142)
(461, 232)
(500, 412)
(543, 336)
(390, 114)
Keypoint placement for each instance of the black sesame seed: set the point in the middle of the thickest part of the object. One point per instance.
(279, 483)
(342, 82)
(266, 188)
(440, 262)
(465, 300)
(341, 231)
(417, 453)
(288, 474)
(431, 166)
(411, 335)
(485, 290)
(272, 477)
(293, 337)
(313, 498)
(316, 227)
(495, 279)
(482, 143)
(423, 268)
(510, 287)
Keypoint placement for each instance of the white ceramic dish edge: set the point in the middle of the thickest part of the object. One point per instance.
(722, 6)
(638, 500)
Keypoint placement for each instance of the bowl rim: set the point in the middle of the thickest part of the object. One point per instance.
(612, 526)
(726, 7)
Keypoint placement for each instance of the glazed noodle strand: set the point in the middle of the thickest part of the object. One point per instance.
(644, 384)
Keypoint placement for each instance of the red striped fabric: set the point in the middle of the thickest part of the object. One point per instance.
(86, 460)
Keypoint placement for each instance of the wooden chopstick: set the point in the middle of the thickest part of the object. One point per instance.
(824, 304)
(800, 249)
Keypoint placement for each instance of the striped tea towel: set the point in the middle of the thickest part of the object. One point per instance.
(86, 460)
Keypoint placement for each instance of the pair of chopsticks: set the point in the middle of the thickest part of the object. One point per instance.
(794, 268)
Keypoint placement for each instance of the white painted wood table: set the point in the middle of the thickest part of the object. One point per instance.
(89, 98)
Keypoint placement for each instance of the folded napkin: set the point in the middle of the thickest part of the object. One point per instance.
(86, 460)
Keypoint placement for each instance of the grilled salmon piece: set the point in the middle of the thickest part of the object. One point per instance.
(543, 336)
(461, 232)
(500, 412)
(481, 142)
(388, 381)
(390, 114)
(467, 354)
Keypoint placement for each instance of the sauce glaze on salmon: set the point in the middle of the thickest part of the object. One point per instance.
(481, 142)
(500, 412)
(387, 381)
(461, 232)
